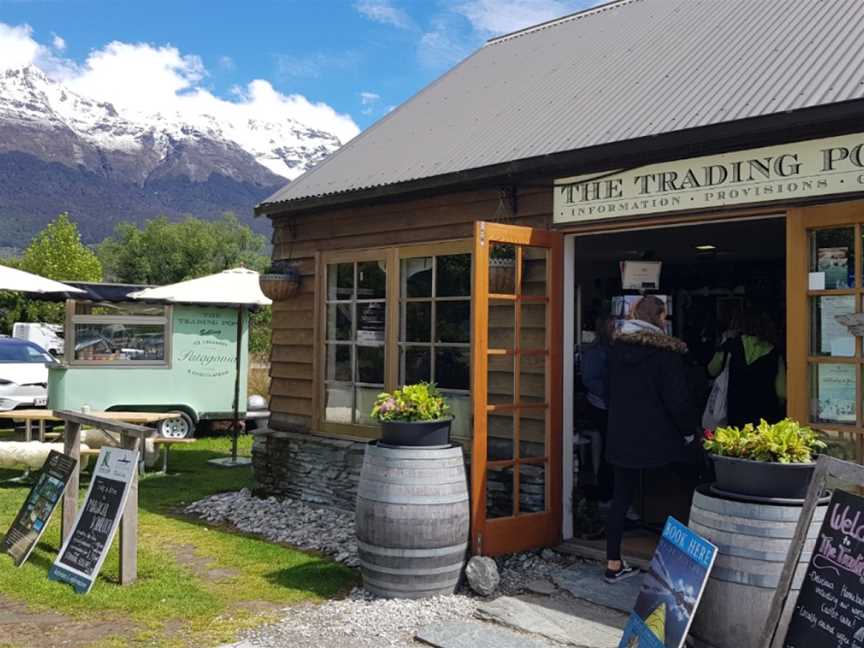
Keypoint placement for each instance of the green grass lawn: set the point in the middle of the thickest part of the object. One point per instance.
(196, 585)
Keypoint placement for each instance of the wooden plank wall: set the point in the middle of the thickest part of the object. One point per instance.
(451, 216)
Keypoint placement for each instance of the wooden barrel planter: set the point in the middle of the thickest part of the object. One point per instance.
(412, 520)
(752, 541)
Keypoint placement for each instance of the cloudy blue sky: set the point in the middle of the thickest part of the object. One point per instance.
(342, 63)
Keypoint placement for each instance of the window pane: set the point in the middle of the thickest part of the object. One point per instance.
(338, 406)
(454, 275)
(828, 336)
(340, 281)
(365, 400)
(120, 342)
(453, 321)
(371, 280)
(533, 271)
(832, 393)
(461, 409)
(339, 321)
(502, 268)
(416, 365)
(452, 368)
(499, 492)
(339, 362)
(418, 322)
(532, 489)
(370, 364)
(832, 254)
(370, 322)
(417, 277)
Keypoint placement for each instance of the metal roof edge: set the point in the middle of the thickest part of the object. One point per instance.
(830, 114)
(577, 15)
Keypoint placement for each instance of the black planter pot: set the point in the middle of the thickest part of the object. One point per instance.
(416, 433)
(762, 479)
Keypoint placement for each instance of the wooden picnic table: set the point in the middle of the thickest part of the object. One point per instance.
(40, 416)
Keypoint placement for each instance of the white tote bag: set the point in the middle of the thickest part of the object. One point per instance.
(715, 414)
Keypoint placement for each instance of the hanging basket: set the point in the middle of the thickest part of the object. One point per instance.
(502, 276)
(279, 287)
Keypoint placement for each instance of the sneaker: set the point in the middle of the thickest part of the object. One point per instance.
(624, 573)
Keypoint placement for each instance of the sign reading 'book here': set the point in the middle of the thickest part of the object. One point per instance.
(33, 518)
(84, 551)
(829, 611)
(671, 589)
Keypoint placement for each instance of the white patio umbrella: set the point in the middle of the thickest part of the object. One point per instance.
(16, 280)
(235, 287)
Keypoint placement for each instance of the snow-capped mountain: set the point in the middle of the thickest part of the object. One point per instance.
(62, 151)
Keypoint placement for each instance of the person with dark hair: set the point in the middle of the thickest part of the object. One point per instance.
(757, 372)
(595, 378)
(652, 415)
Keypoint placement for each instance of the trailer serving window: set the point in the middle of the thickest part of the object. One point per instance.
(115, 334)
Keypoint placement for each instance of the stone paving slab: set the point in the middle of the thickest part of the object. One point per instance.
(586, 582)
(568, 621)
(467, 634)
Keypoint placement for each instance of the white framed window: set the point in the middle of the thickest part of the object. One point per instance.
(118, 334)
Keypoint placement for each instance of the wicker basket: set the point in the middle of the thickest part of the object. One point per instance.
(279, 287)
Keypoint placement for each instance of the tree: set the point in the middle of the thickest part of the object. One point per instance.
(56, 253)
(161, 252)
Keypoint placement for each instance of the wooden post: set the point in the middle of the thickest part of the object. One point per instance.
(72, 448)
(129, 522)
(131, 437)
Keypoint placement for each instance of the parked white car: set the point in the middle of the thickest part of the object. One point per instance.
(23, 374)
(47, 336)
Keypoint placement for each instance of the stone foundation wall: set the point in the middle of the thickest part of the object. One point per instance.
(308, 467)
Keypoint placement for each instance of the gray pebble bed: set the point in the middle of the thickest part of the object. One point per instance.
(359, 620)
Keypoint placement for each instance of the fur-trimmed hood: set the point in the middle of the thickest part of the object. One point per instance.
(643, 334)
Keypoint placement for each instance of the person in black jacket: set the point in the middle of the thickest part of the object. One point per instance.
(652, 415)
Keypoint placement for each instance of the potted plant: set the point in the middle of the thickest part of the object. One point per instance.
(280, 281)
(764, 461)
(502, 269)
(414, 415)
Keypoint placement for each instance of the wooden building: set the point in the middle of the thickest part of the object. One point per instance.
(468, 237)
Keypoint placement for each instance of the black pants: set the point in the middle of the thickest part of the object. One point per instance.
(626, 482)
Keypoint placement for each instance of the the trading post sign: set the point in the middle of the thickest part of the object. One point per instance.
(84, 551)
(832, 165)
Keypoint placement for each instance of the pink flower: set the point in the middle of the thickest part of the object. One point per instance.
(708, 434)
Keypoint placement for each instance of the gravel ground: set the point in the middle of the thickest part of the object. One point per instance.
(360, 620)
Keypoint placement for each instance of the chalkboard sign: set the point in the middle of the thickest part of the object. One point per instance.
(32, 519)
(829, 612)
(85, 549)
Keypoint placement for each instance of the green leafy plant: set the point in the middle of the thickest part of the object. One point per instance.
(784, 442)
(420, 402)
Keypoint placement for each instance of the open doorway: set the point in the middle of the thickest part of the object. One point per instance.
(709, 276)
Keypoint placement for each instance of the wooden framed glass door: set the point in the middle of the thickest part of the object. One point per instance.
(516, 389)
(826, 364)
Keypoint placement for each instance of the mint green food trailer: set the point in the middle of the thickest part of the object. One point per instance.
(130, 355)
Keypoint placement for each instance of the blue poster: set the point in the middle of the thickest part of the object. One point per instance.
(670, 590)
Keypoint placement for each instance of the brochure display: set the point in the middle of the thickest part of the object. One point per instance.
(33, 518)
(671, 589)
(836, 385)
(829, 611)
(84, 551)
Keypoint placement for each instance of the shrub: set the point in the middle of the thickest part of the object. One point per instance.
(784, 442)
(420, 402)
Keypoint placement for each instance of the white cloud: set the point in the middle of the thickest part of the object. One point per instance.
(493, 17)
(444, 44)
(227, 63)
(369, 98)
(385, 12)
(313, 65)
(58, 42)
(145, 78)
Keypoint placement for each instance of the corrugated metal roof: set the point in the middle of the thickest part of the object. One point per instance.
(628, 69)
